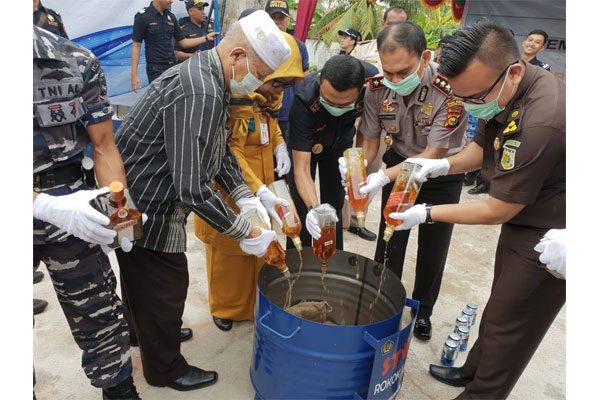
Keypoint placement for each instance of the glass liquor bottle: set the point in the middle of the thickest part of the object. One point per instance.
(127, 221)
(403, 196)
(289, 215)
(324, 247)
(275, 255)
(356, 178)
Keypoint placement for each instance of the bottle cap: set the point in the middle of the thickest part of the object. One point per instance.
(117, 191)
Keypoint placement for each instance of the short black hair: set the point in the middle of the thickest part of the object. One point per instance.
(486, 40)
(443, 41)
(539, 32)
(344, 73)
(402, 34)
(394, 9)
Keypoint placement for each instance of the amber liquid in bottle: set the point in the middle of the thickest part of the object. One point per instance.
(291, 225)
(356, 177)
(324, 247)
(275, 256)
(127, 222)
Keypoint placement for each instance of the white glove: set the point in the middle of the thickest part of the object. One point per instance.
(283, 160)
(411, 217)
(552, 249)
(375, 181)
(312, 224)
(430, 168)
(258, 246)
(344, 170)
(268, 199)
(251, 203)
(74, 214)
(125, 244)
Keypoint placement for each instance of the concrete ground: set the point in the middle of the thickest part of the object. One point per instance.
(467, 278)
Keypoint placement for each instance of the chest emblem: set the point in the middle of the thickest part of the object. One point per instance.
(386, 106)
(496, 143)
(508, 158)
(388, 140)
(427, 109)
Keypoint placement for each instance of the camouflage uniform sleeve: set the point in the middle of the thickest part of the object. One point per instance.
(94, 94)
(448, 126)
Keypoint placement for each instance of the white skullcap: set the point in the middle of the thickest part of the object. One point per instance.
(265, 38)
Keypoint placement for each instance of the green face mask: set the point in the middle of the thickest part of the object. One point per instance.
(406, 85)
(489, 110)
(336, 111)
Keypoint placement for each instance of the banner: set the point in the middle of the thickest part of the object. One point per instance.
(105, 27)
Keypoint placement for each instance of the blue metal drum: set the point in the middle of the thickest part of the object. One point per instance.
(294, 358)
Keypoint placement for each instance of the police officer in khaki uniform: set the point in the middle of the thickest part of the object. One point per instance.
(413, 104)
(520, 147)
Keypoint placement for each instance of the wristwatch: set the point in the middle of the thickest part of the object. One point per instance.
(428, 219)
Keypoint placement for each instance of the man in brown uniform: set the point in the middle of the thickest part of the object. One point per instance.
(413, 104)
(520, 147)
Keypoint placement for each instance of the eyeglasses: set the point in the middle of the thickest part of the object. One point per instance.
(281, 84)
(480, 99)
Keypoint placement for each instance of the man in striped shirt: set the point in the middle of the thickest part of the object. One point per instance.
(174, 145)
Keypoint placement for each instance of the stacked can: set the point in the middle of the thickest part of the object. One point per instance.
(463, 332)
(450, 350)
(473, 308)
(461, 321)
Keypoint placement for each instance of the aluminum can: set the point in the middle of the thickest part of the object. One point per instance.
(468, 314)
(473, 308)
(455, 337)
(463, 331)
(449, 352)
(461, 321)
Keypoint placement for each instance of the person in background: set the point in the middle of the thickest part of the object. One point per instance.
(48, 19)
(325, 108)
(156, 26)
(193, 26)
(520, 148)
(532, 45)
(280, 14)
(255, 140)
(174, 147)
(348, 40)
(367, 51)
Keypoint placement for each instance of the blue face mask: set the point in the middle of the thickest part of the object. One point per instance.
(336, 111)
(247, 85)
(406, 85)
(489, 110)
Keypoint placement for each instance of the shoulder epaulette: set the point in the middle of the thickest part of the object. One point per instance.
(442, 84)
(376, 82)
(143, 10)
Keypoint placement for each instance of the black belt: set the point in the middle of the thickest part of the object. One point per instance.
(57, 176)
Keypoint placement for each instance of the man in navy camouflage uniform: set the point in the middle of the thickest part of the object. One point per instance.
(71, 109)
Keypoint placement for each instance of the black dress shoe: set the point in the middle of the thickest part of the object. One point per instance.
(453, 376)
(422, 329)
(184, 334)
(39, 306)
(124, 390)
(223, 324)
(193, 378)
(363, 233)
(481, 188)
(37, 276)
(469, 179)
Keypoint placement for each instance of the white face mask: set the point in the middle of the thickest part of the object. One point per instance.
(247, 85)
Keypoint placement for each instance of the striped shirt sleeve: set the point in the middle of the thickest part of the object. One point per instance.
(192, 133)
(230, 177)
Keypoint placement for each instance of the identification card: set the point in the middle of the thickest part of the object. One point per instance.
(264, 133)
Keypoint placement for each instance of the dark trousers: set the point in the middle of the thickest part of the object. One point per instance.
(85, 286)
(523, 303)
(283, 125)
(434, 240)
(153, 71)
(331, 191)
(155, 285)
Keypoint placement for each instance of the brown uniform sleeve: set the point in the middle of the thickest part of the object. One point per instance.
(445, 133)
(369, 123)
(480, 132)
(521, 180)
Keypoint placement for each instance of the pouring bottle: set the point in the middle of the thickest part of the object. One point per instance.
(356, 178)
(403, 196)
(324, 247)
(289, 216)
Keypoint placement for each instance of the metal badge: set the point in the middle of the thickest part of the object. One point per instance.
(317, 148)
(427, 109)
(388, 140)
(496, 143)
(386, 106)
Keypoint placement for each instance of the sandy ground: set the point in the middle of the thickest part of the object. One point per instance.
(467, 278)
